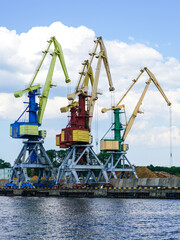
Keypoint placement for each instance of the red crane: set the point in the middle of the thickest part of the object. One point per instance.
(78, 129)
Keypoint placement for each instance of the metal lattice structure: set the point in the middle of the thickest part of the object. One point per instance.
(118, 163)
(82, 166)
(24, 162)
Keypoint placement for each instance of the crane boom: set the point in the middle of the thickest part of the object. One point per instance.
(30, 88)
(36, 110)
(79, 126)
(94, 97)
(118, 104)
(58, 51)
(135, 112)
(89, 64)
(43, 98)
(87, 72)
(153, 78)
(118, 140)
(41, 62)
(134, 81)
(106, 64)
(84, 85)
(102, 56)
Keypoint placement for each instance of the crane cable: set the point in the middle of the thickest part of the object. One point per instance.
(170, 132)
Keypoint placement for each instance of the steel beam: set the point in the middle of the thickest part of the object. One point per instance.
(23, 162)
(72, 169)
(118, 162)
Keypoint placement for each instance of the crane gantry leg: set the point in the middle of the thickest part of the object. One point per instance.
(118, 163)
(32, 156)
(82, 166)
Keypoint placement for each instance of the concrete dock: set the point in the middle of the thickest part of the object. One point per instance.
(116, 192)
(163, 193)
(162, 188)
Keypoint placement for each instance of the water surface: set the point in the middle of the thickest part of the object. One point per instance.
(86, 218)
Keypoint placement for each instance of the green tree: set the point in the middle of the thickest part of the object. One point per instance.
(172, 170)
(103, 156)
(4, 164)
(56, 157)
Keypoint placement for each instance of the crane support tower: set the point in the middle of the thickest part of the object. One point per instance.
(33, 154)
(81, 165)
(117, 161)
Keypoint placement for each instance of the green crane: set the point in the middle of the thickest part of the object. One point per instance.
(119, 138)
(117, 163)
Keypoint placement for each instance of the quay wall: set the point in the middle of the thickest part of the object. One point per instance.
(146, 182)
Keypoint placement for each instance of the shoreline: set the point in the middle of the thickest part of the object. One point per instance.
(98, 192)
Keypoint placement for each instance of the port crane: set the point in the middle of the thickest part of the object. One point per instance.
(33, 154)
(81, 161)
(117, 161)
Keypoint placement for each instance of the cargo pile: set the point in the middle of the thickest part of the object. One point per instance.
(164, 175)
(144, 172)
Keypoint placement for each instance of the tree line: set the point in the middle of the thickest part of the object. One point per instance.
(4, 164)
(171, 170)
(57, 157)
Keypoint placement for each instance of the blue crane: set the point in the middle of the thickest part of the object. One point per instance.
(33, 154)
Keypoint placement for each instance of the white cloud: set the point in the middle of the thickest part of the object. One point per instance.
(9, 107)
(20, 55)
(53, 108)
(157, 136)
(51, 133)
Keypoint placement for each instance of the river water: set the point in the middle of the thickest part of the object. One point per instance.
(88, 218)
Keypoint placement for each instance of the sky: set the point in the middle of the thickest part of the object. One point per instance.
(136, 34)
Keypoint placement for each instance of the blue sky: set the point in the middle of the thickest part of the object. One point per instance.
(153, 22)
(148, 29)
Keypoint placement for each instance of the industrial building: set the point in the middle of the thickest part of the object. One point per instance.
(5, 173)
